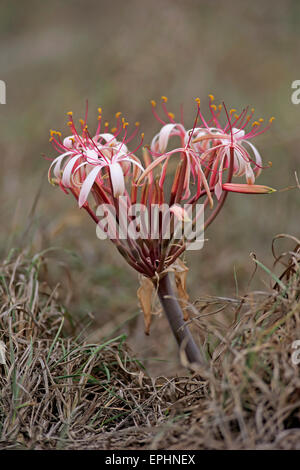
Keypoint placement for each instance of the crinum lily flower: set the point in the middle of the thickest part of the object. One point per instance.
(104, 168)
(84, 157)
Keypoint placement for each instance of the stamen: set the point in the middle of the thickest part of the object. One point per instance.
(257, 130)
(86, 111)
(167, 113)
(153, 104)
(239, 119)
(195, 123)
(200, 114)
(140, 144)
(99, 123)
(74, 131)
(130, 138)
(96, 148)
(229, 122)
(213, 108)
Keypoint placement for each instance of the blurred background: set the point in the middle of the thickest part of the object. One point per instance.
(119, 55)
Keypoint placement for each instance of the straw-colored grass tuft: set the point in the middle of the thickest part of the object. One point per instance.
(59, 392)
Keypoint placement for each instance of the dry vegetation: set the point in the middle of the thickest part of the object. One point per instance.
(60, 392)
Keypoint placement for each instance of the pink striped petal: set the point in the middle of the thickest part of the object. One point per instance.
(68, 142)
(257, 155)
(91, 155)
(151, 166)
(117, 179)
(166, 132)
(218, 187)
(57, 164)
(66, 178)
(87, 185)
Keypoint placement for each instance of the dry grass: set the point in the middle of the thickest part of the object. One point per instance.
(58, 392)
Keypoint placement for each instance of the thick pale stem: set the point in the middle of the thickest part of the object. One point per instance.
(178, 325)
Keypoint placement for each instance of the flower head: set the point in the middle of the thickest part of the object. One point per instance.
(208, 146)
(103, 166)
(217, 142)
(87, 162)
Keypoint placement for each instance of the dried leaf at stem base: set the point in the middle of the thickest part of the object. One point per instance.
(144, 294)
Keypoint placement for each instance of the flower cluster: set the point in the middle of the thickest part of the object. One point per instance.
(199, 169)
(84, 158)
